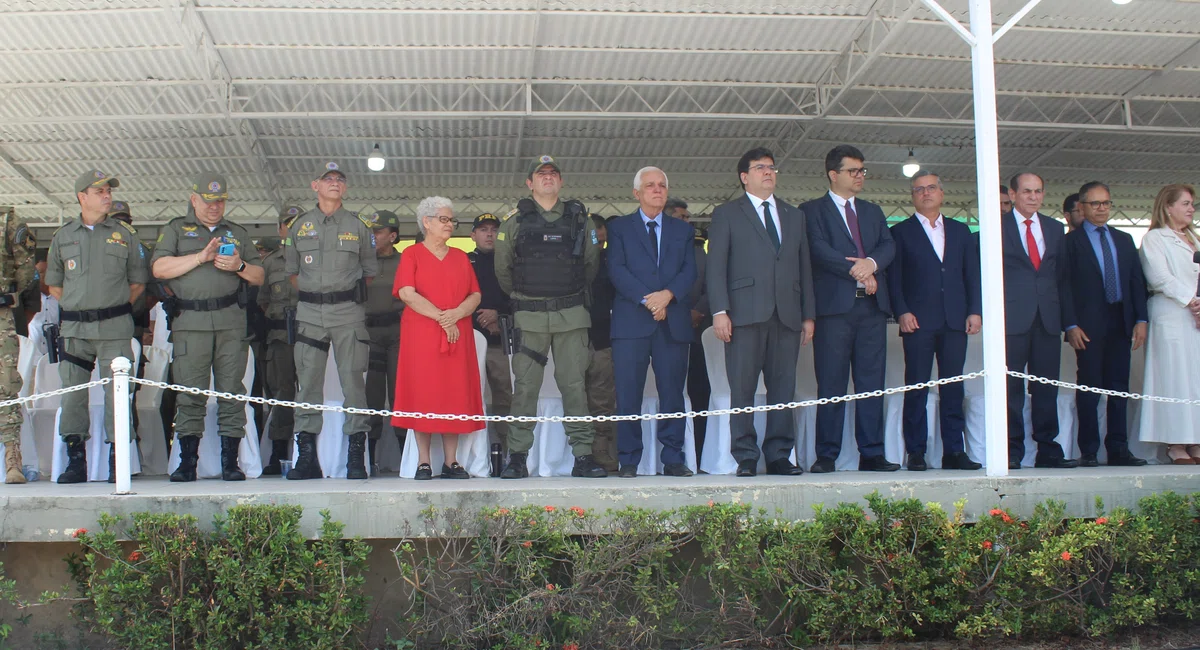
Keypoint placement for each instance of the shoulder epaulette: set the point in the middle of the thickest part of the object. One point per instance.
(365, 220)
(288, 224)
(510, 214)
(128, 227)
(183, 218)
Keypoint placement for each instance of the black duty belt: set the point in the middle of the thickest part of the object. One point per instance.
(551, 304)
(93, 315)
(383, 319)
(212, 304)
(277, 323)
(332, 298)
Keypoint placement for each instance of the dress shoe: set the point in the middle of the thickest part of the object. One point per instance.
(424, 472)
(959, 460)
(876, 464)
(676, 469)
(783, 467)
(747, 469)
(1014, 464)
(585, 467)
(1056, 463)
(628, 471)
(1125, 460)
(1088, 460)
(916, 463)
(822, 466)
(454, 470)
(517, 467)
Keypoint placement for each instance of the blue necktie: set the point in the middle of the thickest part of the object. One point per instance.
(1110, 271)
(653, 226)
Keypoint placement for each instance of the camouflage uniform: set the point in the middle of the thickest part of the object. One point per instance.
(16, 271)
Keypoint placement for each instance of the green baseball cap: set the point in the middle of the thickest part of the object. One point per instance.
(270, 243)
(384, 219)
(211, 187)
(332, 168)
(95, 178)
(119, 207)
(290, 212)
(542, 161)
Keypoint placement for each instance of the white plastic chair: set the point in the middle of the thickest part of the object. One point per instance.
(152, 443)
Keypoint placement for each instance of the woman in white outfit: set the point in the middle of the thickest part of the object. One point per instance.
(1173, 342)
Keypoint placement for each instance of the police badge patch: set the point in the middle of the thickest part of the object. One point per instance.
(70, 265)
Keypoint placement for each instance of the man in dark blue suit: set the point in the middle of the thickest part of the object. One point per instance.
(1031, 243)
(1103, 295)
(652, 266)
(935, 290)
(851, 248)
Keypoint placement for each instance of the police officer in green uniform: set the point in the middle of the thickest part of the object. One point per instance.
(119, 210)
(96, 271)
(383, 324)
(546, 257)
(277, 298)
(208, 262)
(331, 258)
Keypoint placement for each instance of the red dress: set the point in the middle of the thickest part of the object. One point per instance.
(432, 374)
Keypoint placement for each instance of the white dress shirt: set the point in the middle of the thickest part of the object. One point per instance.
(1037, 233)
(758, 204)
(936, 232)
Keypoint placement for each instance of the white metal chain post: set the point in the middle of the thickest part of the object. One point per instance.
(121, 419)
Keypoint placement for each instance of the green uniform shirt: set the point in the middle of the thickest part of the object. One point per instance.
(563, 320)
(95, 267)
(330, 254)
(277, 293)
(379, 295)
(186, 236)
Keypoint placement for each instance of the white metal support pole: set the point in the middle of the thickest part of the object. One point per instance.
(121, 419)
(987, 165)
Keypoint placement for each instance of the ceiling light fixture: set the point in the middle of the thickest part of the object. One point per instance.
(376, 161)
(911, 166)
(1122, 2)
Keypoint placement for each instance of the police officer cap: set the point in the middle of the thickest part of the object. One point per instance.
(384, 219)
(95, 178)
(211, 187)
(119, 208)
(542, 161)
(485, 218)
(270, 243)
(289, 213)
(332, 168)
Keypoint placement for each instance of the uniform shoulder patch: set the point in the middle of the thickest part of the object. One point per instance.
(366, 221)
(288, 224)
(510, 215)
(131, 229)
(24, 237)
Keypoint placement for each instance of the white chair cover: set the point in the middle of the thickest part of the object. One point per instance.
(97, 449)
(209, 465)
(152, 439)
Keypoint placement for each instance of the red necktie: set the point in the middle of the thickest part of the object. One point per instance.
(1031, 244)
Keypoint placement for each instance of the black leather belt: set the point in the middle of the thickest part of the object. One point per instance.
(331, 298)
(860, 293)
(212, 304)
(384, 319)
(323, 346)
(93, 315)
(552, 304)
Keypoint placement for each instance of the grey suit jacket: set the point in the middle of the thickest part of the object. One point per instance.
(747, 278)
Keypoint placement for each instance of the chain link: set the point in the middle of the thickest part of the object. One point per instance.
(54, 393)
(1102, 391)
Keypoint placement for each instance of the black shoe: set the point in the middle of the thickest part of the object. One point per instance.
(454, 471)
(374, 469)
(630, 471)
(959, 460)
(1057, 463)
(585, 467)
(189, 454)
(356, 467)
(518, 466)
(112, 463)
(783, 467)
(279, 451)
(229, 459)
(308, 463)
(916, 462)
(424, 472)
(822, 466)
(747, 469)
(76, 471)
(1014, 464)
(1088, 460)
(1125, 460)
(876, 464)
(675, 469)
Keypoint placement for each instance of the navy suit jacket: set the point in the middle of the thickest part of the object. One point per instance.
(831, 244)
(1081, 288)
(1029, 293)
(937, 292)
(633, 272)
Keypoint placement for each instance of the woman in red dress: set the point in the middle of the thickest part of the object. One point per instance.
(438, 371)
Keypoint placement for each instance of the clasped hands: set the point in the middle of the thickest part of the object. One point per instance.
(657, 303)
(448, 319)
(222, 262)
(864, 271)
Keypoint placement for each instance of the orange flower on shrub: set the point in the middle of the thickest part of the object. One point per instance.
(526, 543)
(995, 512)
(135, 556)
(570, 646)
(1006, 519)
(550, 587)
(897, 524)
(1066, 556)
(1102, 520)
(320, 563)
(549, 508)
(502, 512)
(710, 503)
(579, 512)
(987, 545)
(78, 532)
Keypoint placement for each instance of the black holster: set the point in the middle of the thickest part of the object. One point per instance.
(50, 330)
(290, 317)
(171, 309)
(360, 291)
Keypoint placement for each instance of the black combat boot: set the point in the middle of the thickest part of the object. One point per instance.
(356, 467)
(76, 471)
(112, 463)
(518, 466)
(586, 467)
(189, 454)
(308, 465)
(229, 459)
(279, 451)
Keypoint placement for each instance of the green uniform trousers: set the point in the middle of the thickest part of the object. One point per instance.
(570, 350)
(10, 379)
(217, 357)
(281, 384)
(500, 382)
(75, 420)
(381, 375)
(351, 346)
(602, 400)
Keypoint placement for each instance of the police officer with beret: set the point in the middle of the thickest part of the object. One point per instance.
(331, 259)
(277, 298)
(546, 258)
(383, 324)
(96, 271)
(208, 262)
(493, 305)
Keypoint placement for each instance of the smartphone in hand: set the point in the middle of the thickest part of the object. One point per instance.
(227, 249)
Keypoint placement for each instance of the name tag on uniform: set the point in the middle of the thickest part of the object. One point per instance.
(557, 239)
(347, 236)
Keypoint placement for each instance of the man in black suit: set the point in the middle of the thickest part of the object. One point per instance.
(851, 248)
(934, 285)
(1032, 320)
(1103, 295)
(698, 388)
(760, 290)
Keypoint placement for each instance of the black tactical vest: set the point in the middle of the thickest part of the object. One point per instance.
(548, 257)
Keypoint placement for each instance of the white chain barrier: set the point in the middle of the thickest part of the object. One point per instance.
(54, 393)
(1103, 391)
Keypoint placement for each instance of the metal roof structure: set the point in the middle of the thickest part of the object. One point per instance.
(461, 94)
